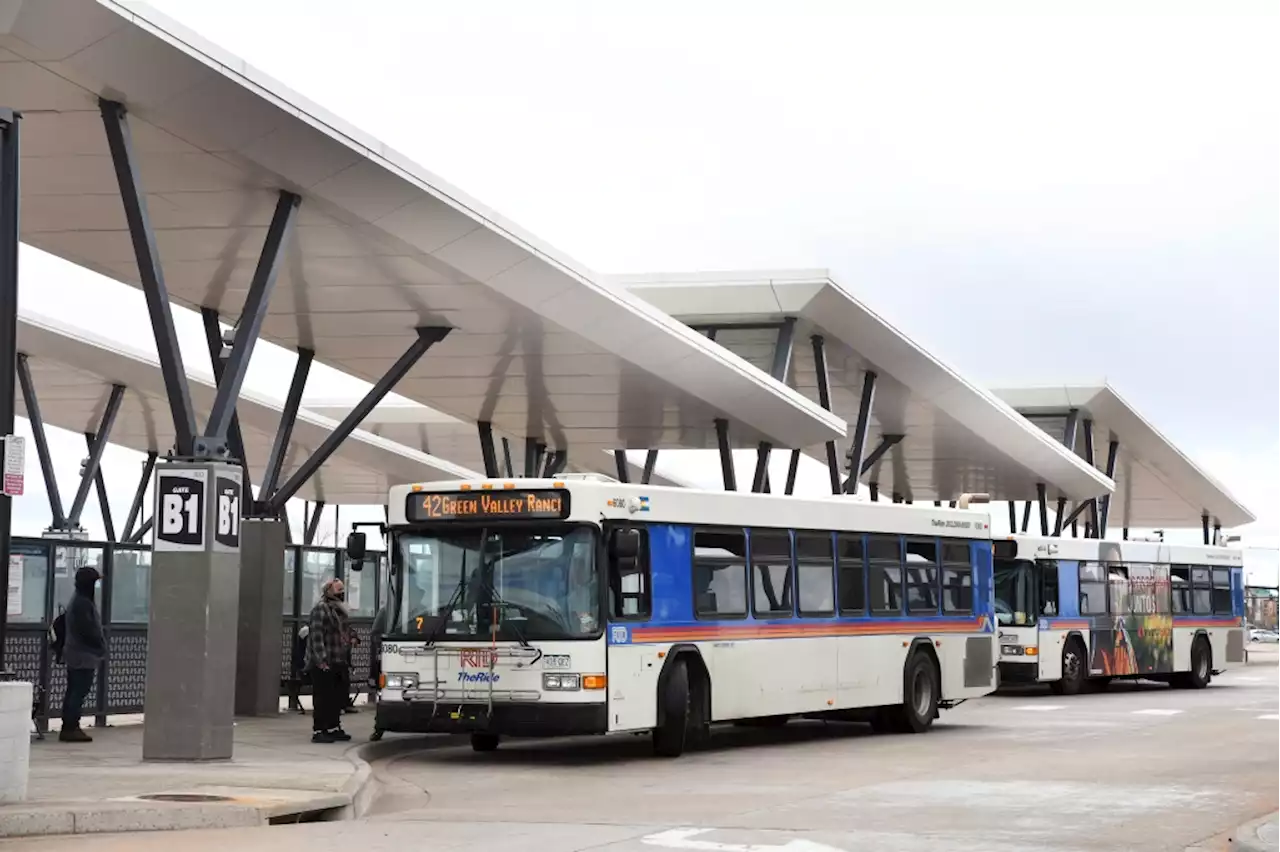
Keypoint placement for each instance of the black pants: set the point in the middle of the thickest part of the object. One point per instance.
(79, 683)
(326, 698)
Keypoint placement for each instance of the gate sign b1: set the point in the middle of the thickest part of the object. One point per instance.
(180, 509)
(226, 512)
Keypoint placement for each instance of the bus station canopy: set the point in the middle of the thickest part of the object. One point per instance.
(446, 437)
(381, 247)
(73, 372)
(1157, 486)
(956, 437)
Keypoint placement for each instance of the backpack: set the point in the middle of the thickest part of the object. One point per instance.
(58, 634)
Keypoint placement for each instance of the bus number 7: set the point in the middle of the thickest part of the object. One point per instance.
(419, 621)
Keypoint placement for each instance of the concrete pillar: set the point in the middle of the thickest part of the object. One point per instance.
(261, 603)
(15, 741)
(195, 589)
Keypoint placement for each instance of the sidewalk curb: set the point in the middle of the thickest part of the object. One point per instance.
(361, 788)
(1256, 836)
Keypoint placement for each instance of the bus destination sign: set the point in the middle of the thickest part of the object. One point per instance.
(487, 506)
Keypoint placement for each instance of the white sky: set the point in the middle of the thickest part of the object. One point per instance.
(1037, 197)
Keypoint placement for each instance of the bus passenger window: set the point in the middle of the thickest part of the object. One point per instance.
(1201, 597)
(1180, 587)
(884, 569)
(1093, 589)
(719, 574)
(957, 578)
(1118, 587)
(853, 598)
(1221, 591)
(814, 577)
(1048, 571)
(922, 575)
(771, 574)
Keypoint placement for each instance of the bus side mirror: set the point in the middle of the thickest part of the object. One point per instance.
(356, 549)
(624, 544)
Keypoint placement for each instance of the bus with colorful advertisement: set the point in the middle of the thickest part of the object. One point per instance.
(581, 605)
(1076, 613)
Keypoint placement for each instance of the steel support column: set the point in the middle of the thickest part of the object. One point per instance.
(95, 455)
(533, 451)
(620, 461)
(1113, 449)
(726, 456)
(650, 461)
(792, 469)
(488, 451)
(1088, 457)
(555, 462)
(120, 143)
(10, 198)
(1042, 499)
(32, 404)
(506, 458)
(824, 399)
(1026, 516)
(1075, 513)
(249, 326)
(1204, 521)
(312, 523)
(887, 442)
(873, 489)
(1013, 518)
(284, 432)
(763, 450)
(1069, 429)
(100, 486)
(138, 536)
(857, 451)
(427, 337)
(135, 508)
(234, 437)
(1217, 532)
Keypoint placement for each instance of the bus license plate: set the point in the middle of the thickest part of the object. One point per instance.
(555, 661)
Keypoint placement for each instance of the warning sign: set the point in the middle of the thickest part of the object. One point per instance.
(15, 462)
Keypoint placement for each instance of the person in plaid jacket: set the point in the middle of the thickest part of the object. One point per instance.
(328, 642)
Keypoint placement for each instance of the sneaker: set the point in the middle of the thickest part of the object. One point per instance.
(340, 735)
(323, 737)
(74, 735)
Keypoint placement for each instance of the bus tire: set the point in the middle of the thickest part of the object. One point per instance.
(1074, 669)
(1201, 667)
(483, 741)
(920, 690)
(675, 706)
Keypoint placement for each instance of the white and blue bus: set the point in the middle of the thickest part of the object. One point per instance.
(1076, 613)
(585, 606)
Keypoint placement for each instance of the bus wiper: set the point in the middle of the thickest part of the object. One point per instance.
(496, 600)
(452, 604)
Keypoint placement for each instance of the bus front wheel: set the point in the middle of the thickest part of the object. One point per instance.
(481, 741)
(674, 708)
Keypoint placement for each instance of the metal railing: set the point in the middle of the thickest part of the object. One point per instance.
(42, 573)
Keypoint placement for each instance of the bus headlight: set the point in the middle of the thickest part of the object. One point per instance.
(561, 681)
(400, 681)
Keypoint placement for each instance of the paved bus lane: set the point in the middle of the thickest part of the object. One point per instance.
(1139, 767)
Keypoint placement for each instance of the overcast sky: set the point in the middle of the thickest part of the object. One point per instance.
(1036, 198)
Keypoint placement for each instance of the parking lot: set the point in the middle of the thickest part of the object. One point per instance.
(1138, 767)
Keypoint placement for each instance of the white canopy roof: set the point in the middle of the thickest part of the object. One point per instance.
(381, 245)
(958, 437)
(430, 431)
(73, 371)
(1156, 484)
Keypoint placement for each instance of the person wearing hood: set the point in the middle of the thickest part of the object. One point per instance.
(328, 639)
(84, 651)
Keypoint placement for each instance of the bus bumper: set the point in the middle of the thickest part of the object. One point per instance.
(1015, 673)
(506, 719)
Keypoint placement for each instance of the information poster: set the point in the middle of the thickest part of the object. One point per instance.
(16, 567)
(180, 509)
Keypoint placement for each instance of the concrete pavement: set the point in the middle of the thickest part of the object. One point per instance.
(276, 773)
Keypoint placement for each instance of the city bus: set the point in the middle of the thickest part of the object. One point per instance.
(581, 605)
(1076, 613)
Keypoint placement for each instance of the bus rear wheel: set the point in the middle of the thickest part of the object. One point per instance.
(920, 693)
(1201, 667)
(1073, 669)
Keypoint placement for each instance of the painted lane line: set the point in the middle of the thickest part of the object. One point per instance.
(1271, 717)
(1040, 708)
(1244, 678)
(1156, 712)
(683, 838)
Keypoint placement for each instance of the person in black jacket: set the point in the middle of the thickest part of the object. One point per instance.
(84, 651)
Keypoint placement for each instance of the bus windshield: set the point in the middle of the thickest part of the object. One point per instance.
(1015, 605)
(500, 584)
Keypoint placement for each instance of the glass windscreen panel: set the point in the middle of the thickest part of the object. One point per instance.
(1014, 592)
(500, 584)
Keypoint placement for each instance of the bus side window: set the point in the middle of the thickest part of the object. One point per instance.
(1093, 589)
(1221, 591)
(1201, 591)
(771, 574)
(957, 577)
(884, 562)
(815, 561)
(1180, 587)
(853, 595)
(1048, 587)
(1118, 588)
(922, 575)
(719, 574)
(630, 596)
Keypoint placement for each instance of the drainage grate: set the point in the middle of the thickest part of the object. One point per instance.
(185, 797)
